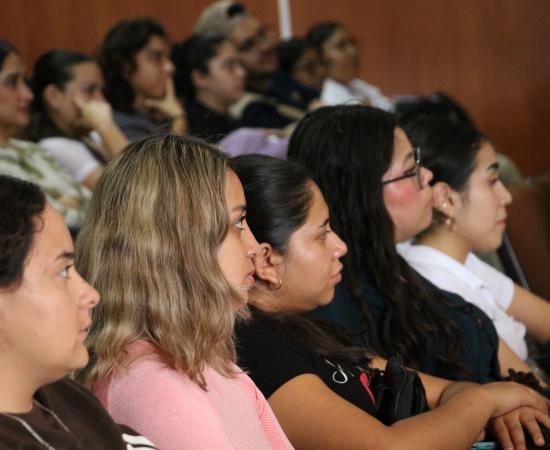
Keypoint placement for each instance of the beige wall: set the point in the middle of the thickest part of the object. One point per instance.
(492, 55)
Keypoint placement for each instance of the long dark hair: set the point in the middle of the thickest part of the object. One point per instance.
(278, 198)
(319, 33)
(347, 150)
(194, 53)
(21, 203)
(53, 67)
(6, 49)
(116, 57)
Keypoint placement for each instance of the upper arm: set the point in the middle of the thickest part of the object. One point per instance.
(533, 311)
(167, 407)
(313, 416)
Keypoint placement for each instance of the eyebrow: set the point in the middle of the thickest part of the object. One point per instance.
(241, 208)
(408, 156)
(325, 223)
(65, 255)
(493, 166)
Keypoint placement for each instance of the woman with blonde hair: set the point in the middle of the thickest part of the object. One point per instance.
(173, 266)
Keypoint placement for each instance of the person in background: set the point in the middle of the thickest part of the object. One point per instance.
(338, 49)
(470, 215)
(311, 375)
(23, 159)
(209, 78)
(379, 194)
(302, 61)
(136, 65)
(273, 99)
(163, 356)
(44, 317)
(70, 117)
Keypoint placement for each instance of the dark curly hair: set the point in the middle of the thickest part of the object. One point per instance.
(21, 203)
(116, 57)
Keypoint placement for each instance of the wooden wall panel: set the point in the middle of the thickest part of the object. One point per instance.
(492, 55)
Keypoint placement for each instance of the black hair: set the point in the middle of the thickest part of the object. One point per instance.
(21, 202)
(5, 50)
(278, 197)
(116, 57)
(449, 148)
(290, 52)
(194, 53)
(53, 67)
(318, 34)
(347, 150)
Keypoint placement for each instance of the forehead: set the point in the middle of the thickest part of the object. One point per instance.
(50, 239)
(227, 50)
(234, 192)
(486, 157)
(318, 209)
(88, 70)
(156, 43)
(245, 29)
(12, 63)
(339, 34)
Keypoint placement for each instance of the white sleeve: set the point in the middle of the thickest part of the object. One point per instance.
(72, 155)
(500, 285)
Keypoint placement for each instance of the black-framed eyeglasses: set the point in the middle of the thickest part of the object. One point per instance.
(414, 172)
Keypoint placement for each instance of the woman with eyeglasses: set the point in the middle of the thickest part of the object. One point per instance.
(339, 52)
(379, 195)
(470, 215)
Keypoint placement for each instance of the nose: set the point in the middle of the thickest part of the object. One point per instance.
(505, 196)
(427, 175)
(251, 245)
(88, 296)
(340, 247)
(241, 73)
(169, 67)
(26, 92)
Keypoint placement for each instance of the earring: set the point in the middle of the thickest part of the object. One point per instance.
(449, 222)
(444, 205)
(278, 285)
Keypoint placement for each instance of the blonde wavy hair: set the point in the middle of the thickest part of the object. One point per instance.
(149, 246)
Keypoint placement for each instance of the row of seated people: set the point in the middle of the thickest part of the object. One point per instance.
(231, 62)
(256, 304)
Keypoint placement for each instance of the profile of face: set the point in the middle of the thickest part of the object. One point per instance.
(310, 268)
(86, 84)
(225, 79)
(15, 95)
(153, 67)
(408, 203)
(239, 247)
(340, 56)
(45, 320)
(256, 47)
(310, 70)
(479, 212)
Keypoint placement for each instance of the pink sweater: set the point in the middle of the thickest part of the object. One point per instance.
(176, 414)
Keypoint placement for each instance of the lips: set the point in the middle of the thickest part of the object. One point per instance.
(249, 279)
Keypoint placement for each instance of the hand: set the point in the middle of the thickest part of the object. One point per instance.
(93, 113)
(169, 106)
(508, 428)
(508, 396)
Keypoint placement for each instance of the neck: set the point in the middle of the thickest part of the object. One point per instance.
(263, 299)
(6, 134)
(139, 104)
(62, 127)
(211, 102)
(16, 391)
(445, 240)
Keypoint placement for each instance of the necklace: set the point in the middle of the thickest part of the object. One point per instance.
(32, 431)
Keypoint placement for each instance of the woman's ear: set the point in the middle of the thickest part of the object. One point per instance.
(444, 200)
(52, 96)
(268, 265)
(198, 78)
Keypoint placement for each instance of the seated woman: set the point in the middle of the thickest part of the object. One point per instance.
(209, 78)
(174, 272)
(136, 65)
(70, 118)
(470, 215)
(44, 317)
(378, 195)
(301, 60)
(312, 379)
(339, 52)
(23, 159)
